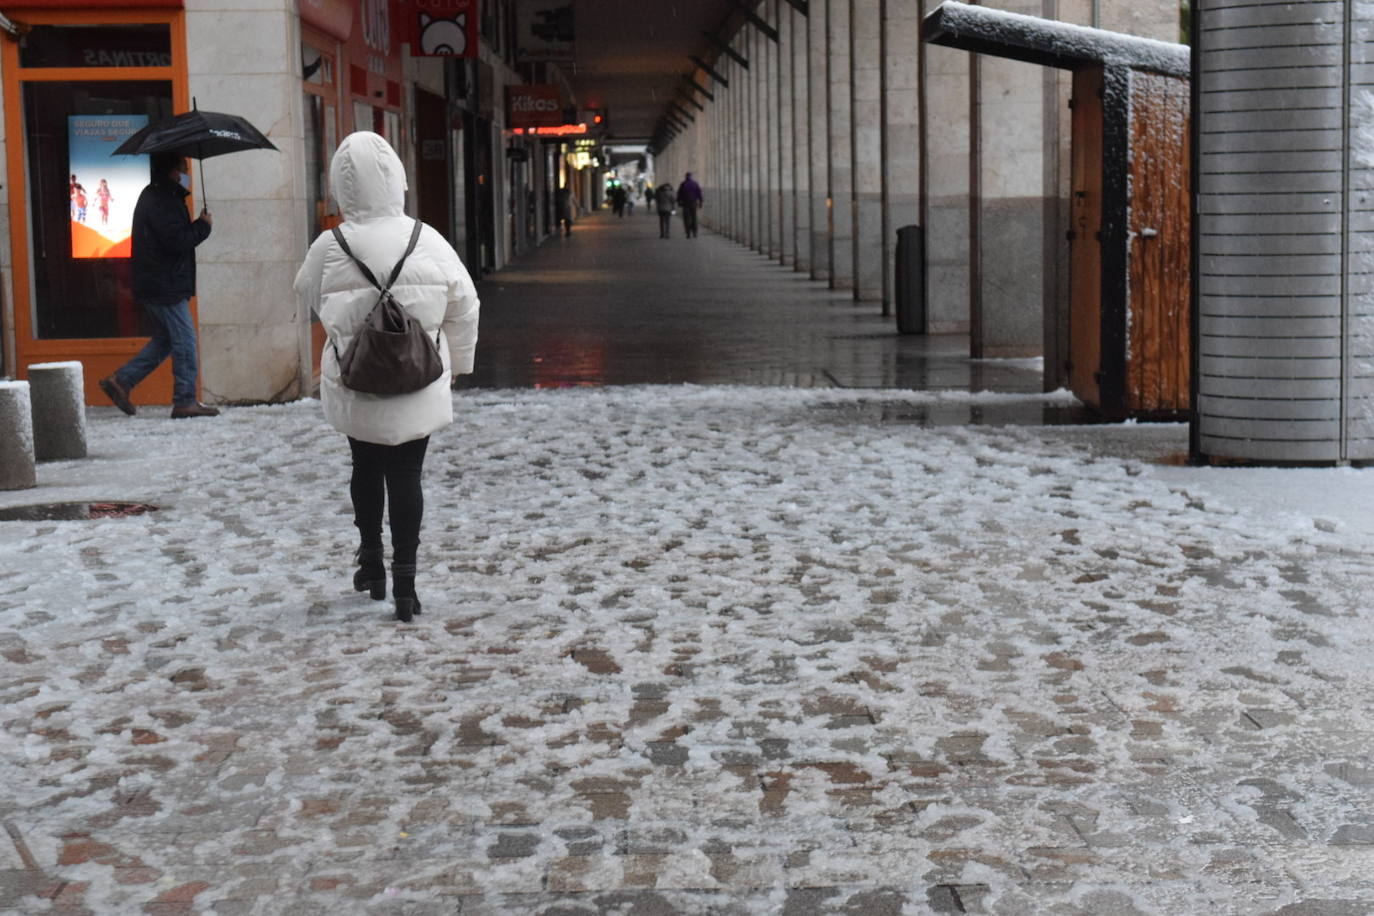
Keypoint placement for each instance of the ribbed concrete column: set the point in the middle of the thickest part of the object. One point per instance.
(1010, 260)
(866, 146)
(787, 251)
(902, 128)
(715, 214)
(945, 86)
(721, 216)
(772, 161)
(742, 149)
(763, 164)
(841, 153)
(818, 136)
(739, 89)
(800, 142)
(1285, 306)
(751, 130)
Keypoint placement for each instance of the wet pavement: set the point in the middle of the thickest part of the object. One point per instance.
(616, 305)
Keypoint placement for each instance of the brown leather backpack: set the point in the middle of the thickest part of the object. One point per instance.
(391, 353)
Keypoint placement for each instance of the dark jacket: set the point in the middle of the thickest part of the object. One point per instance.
(164, 245)
(664, 198)
(689, 193)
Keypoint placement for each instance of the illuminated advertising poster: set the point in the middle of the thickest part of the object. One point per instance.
(103, 189)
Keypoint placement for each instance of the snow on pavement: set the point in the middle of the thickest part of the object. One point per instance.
(731, 648)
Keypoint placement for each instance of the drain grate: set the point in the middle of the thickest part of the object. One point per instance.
(73, 512)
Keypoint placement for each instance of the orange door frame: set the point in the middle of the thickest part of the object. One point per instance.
(101, 356)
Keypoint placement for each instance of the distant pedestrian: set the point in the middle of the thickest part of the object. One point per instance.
(663, 200)
(562, 209)
(690, 200)
(387, 434)
(163, 264)
(649, 199)
(618, 198)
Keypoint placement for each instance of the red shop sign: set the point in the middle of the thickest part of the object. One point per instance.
(440, 28)
(533, 105)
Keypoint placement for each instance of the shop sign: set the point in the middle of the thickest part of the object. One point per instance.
(377, 25)
(563, 130)
(441, 28)
(333, 17)
(433, 150)
(544, 30)
(375, 52)
(534, 105)
(142, 45)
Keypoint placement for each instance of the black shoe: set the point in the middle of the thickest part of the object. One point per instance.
(194, 409)
(116, 393)
(403, 589)
(370, 576)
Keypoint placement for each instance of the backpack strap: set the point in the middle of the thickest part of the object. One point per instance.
(367, 272)
(372, 278)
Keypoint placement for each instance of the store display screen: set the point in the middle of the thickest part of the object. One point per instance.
(102, 189)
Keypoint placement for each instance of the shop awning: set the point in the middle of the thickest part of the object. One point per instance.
(333, 17)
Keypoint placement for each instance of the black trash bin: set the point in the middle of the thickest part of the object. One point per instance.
(911, 285)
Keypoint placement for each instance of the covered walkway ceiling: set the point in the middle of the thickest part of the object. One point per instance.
(633, 56)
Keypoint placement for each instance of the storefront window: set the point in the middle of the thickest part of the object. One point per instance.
(319, 68)
(97, 46)
(321, 139)
(81, 203)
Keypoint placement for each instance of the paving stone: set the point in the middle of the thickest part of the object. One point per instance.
(514, 846)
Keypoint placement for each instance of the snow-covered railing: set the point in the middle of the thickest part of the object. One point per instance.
(1049, 42)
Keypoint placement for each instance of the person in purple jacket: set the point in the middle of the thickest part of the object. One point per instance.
(689, 199)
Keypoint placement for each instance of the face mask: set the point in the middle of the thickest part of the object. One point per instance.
(184, 180)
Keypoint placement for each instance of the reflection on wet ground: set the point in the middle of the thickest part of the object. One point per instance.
(73, 511)
(1016, 413)
(616, 305)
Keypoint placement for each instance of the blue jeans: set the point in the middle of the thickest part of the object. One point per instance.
(174, 334)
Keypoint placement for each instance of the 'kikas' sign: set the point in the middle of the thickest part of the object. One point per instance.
(535, 105)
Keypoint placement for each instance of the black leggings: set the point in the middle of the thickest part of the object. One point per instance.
(381, 471)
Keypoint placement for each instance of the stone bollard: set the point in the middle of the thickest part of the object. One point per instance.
(57, 393)
(16, 437)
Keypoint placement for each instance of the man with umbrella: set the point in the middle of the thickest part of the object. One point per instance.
(164, 246)
(164, 280)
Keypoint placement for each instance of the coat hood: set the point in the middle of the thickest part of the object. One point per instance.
(367, 178)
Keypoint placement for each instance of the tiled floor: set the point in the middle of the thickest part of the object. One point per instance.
(616, 305)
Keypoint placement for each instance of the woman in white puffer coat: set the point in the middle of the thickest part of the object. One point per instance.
(388, 434)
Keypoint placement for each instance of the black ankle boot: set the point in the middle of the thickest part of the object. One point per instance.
(371, 574)
(403, 589)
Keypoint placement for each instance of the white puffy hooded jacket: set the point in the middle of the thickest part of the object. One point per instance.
(368, 181)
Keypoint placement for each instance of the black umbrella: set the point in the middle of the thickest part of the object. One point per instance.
(198, 134)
